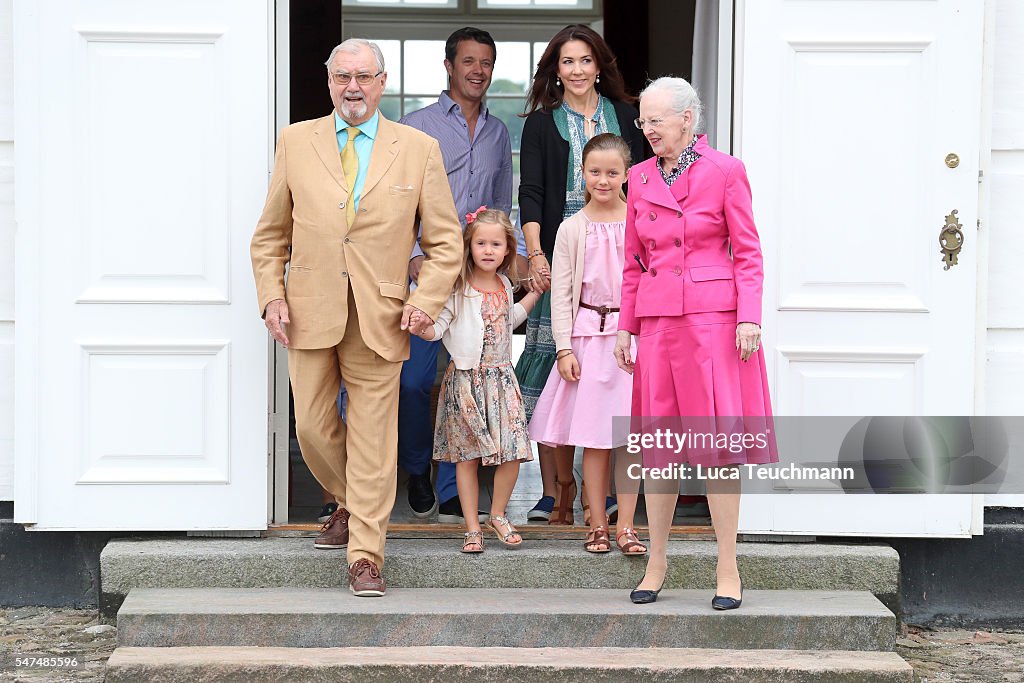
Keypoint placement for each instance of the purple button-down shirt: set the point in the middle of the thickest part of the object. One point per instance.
(479, 169)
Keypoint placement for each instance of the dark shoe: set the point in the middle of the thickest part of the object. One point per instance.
(365, 580)
(450, 512)
(722, 602)
(334, 532)
(541, 512)
(643, 597)
(693, 506)
(326, 511)
(421, 495)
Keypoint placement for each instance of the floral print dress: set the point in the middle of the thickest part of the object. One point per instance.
(480, 413)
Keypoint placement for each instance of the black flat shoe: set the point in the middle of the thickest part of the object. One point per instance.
(720, 602)
(642, 597)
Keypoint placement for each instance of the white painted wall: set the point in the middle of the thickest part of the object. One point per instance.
(1004, 354)
(6, 251)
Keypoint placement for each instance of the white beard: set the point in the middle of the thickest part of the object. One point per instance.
(356, 110)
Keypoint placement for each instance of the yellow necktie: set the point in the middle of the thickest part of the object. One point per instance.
(350, 165)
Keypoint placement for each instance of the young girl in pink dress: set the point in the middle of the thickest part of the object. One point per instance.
(586, 389)
(480, 414)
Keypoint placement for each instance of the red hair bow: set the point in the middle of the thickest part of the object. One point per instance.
(470, 217)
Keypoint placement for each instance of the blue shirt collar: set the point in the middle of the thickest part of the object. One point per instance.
(448, 104)
(367, 128)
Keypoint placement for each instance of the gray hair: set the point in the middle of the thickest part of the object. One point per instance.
(354, 46)
(682, 96)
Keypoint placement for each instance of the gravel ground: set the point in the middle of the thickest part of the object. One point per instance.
(936, 655)
(44, 632)
(964, 656)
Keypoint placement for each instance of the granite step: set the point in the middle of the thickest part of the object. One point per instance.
(435, 563)
(293, 617)
(510, 665)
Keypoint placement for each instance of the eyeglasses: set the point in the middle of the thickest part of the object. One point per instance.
(653, 123)
(342, 78)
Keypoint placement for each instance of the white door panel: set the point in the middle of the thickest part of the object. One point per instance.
(847, 111)
(143, 137)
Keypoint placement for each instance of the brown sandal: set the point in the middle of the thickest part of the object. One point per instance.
(565, 498)
(598, 536)
(632, 546)
(473, 538)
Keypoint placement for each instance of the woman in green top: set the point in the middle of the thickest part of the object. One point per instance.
(577, 93)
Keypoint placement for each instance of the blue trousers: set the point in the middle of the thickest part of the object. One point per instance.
(415, 428)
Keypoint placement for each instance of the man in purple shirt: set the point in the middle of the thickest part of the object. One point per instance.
(477, 156)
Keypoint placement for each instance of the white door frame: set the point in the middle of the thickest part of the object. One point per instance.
(278, 411)
(977, 503)
(118, 341)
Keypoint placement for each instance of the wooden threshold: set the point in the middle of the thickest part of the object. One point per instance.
(534, 531)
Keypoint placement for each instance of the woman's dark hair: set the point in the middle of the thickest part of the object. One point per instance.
(544, 94)
(451, 46)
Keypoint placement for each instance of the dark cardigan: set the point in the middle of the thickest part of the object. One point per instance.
(544, 166)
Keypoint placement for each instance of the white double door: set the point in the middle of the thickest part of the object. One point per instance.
(144, 132)
(846, 111)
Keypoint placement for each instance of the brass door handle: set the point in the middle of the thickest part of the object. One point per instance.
(951, 239)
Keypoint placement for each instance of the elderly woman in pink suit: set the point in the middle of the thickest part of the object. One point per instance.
(691, 294)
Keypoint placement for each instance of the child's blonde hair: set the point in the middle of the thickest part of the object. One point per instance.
(508, 264)
(602, 143)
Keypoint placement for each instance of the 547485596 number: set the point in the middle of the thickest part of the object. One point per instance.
(36, 662)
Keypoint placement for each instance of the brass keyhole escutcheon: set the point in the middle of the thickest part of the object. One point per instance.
(951, 239)
(952, 160)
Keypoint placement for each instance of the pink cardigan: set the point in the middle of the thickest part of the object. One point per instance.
(567, 277)
(683, 235)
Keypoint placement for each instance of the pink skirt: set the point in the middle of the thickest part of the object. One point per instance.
(581, 413)
(689, 377)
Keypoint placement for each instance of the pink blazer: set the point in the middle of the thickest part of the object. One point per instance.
(682, 236)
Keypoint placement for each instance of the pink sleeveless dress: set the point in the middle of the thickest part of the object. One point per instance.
(580, 413)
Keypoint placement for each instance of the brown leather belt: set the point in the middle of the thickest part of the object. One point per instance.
(603, 310)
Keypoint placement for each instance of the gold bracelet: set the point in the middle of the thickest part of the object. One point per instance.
(563, 353)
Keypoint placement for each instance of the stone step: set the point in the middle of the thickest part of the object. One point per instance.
(511, 665)
(426, 563)
(502, 617)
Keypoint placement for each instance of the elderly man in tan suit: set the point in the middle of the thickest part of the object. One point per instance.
(347, 194)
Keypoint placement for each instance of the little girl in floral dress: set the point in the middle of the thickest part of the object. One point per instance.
(480, 415)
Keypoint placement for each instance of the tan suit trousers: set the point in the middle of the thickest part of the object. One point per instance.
(355, 462)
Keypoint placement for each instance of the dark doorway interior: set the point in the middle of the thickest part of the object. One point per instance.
(650, 38)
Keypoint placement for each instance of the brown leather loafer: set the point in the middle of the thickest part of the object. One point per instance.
(365, 580)
(334, 532)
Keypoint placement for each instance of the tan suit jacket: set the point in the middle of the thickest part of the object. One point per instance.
(304, 224)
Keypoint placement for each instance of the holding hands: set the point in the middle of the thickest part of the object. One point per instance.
(417, 322)
(540, 273)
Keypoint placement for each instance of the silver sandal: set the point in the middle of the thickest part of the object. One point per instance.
(473, 538)
(503, 537)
